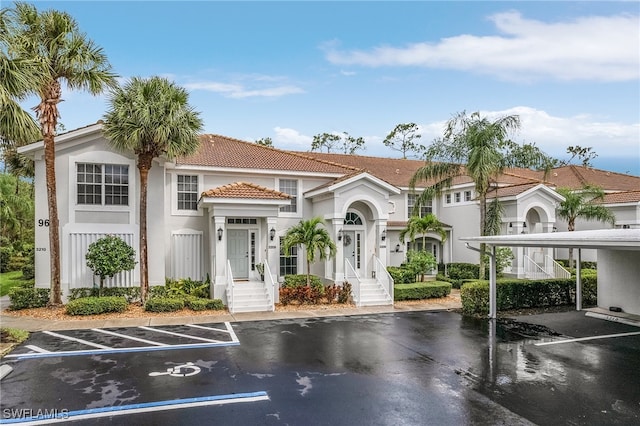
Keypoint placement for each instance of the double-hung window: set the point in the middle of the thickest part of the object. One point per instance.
(288, 264)
(187, 192)
(102, 184)
(425, 208)
(290, 186)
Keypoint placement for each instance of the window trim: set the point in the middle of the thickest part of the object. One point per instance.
(298, 212)
(102, 184)
(295, 264)
(174, 193)
(410, 208)
(100, 157)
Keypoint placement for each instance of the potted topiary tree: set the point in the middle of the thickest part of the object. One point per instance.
(108, 256)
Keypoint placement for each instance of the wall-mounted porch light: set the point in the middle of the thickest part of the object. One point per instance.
(397, 248)
(340, 235)
(220, 234)
(383, 235)
(524, 227)
(272, 233)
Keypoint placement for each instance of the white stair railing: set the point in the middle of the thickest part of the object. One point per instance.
(350, 275)
(556, 269)
(271, 286)
(230, 286)
(383, 277)
(533, 270)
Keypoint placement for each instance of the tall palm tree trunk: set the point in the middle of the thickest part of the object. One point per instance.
(308, 273)
(483, 231)
(47, 112)
(144, 165)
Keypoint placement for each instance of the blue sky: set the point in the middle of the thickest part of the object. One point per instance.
(292, 70)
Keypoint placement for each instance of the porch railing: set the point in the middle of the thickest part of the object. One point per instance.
(533, 270)
(352, 276)
(383, 276)
(230, 286)
(558, 270)
(270, 285)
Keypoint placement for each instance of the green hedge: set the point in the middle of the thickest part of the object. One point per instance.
(517, 294)
(164, 304)
(130, 293)
(96, 305)
(201, 304)
(23, 298)
(424, 290)
(300, 280)
(402, 275)
(463, 271)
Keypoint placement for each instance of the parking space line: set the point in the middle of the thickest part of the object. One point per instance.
(37, 349)
(179, 334)
(120, 350)
(137, 339)
(175, 404)
(75, 339)
(229, 329)
(582, 339)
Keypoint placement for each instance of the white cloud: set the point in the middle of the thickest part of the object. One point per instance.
(287, 138)
(240, 91)
(554, 134)
(602, 48)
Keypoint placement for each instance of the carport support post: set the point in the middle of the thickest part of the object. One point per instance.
(492, 283)
(578, 281)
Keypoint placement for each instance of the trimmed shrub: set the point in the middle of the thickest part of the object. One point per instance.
(109, 256)
(131, 294)
(157, 291)
(424, 290)
(516, 294)
(300, 280)
(29, 268)
(463, 271)
(164, 304)
(402, 274)
(23, 298)
(96, 305)
(301, 294)
(6, 251)
(201, 304)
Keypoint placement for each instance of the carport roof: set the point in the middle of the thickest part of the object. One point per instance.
(621, 239)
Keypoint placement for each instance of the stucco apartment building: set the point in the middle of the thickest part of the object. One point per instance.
(223, 210)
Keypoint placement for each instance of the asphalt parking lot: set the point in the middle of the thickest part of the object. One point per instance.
(414, 368)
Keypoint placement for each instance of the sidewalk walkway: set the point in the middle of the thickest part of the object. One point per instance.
(35, 324)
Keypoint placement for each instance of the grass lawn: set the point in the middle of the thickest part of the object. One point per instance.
(8, 280)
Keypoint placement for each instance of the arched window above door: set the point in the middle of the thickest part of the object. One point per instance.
(352, 219)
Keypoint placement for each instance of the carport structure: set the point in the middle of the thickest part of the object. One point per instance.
(618, 257)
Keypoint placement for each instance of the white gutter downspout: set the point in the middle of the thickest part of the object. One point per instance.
(492, 280)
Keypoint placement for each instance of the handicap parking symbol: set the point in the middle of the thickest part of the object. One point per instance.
(184, 370)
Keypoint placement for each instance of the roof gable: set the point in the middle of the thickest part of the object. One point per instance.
(245, 190)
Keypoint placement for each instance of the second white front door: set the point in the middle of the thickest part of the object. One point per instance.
(353, 249)
(238, 252)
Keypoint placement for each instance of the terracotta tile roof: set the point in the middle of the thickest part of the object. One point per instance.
(220, 151)
(621, 197)
(575, 177)
(245, 190)
(511, 190)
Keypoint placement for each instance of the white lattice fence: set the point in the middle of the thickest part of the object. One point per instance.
(80, 275)
(186, 255)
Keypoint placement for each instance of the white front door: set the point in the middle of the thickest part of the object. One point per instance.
(238, 252)
(353, 249)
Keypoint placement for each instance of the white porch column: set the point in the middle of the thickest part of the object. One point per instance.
(338, 266)
(220, 254)
(272, 255)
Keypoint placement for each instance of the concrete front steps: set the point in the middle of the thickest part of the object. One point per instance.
(250, 296)
(372, 294)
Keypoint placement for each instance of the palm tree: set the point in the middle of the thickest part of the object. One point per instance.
(582, 204)
(476, 147)
(314, 239)
(151, 117)
(422, 225)
(53, 40)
